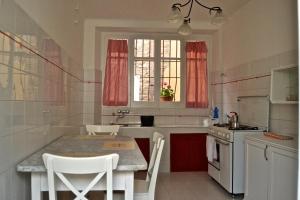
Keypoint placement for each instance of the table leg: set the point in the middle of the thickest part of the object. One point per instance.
(129, 186)
(36, 193)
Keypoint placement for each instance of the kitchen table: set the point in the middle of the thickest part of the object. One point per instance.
(130, 160)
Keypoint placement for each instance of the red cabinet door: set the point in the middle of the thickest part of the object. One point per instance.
(144, 145)
(188, 152)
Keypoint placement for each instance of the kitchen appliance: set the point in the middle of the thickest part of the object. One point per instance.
(228, 168)
(233, 120)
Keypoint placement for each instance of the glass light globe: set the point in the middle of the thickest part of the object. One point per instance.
(185, 28)
(175, 16)
(218, 18)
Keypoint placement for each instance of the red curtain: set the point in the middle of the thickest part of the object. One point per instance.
(196, 69)
(115, 92)
(54, 77)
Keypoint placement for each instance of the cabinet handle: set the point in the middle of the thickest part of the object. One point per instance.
(265, 152)
(221, 142)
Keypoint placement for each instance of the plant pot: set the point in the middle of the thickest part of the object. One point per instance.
(168, 98)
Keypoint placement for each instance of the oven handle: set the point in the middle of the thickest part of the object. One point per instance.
(265, 152)
(222, 142)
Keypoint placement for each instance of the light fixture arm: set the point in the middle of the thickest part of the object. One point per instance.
(185, 29)
(191, 2)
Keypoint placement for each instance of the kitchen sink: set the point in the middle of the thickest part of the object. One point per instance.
(129, 124)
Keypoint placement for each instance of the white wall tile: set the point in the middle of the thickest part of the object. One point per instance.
(284, 118)
(5, 185)
(26, 116)
(6, 152)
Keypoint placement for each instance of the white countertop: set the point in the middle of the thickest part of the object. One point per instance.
(168, 126)
(290, 145)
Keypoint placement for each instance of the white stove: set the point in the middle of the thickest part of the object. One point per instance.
(228, 168)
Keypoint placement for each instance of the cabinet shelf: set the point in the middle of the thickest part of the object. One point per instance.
(284, 85)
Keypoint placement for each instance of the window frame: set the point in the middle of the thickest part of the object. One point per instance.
(157, 61)
(157, 37)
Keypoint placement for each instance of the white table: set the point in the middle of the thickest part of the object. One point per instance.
(123, 177)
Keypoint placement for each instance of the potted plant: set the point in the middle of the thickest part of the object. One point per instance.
(166, 93)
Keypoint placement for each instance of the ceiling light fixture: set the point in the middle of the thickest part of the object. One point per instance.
(185, 29)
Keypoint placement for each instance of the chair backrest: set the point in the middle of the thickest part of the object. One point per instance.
(99, 165)
(111, 129)
(153, 176)
(157, 137)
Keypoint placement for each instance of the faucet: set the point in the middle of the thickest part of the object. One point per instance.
(121, 114)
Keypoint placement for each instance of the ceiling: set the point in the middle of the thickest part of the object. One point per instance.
(150, 9)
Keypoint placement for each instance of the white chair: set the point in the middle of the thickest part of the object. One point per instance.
(156, 139)
(145, 189)
(111, 129)
(60, 165)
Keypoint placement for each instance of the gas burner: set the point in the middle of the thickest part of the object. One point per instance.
(244, 127)
(221, 125)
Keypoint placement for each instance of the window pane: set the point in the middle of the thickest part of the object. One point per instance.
(143, 48)
(144, 70)
(170, 67)
(144, 81)
(175, 49)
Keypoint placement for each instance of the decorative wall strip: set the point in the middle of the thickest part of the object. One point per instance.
(95, 82)
(240, 80)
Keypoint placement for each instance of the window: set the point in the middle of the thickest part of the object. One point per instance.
(147, 81)
(155, 62)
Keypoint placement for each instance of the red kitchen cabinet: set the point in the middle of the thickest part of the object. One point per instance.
(188, 152)
(144, 145)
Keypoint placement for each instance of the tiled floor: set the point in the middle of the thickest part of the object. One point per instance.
(189, 185)
(179, 186)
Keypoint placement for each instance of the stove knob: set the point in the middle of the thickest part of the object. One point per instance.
(227, 136)
(219, 133)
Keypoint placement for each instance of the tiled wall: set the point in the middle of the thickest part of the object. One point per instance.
(162, 116)
(92, 99)
(283, 118)
(28, 120)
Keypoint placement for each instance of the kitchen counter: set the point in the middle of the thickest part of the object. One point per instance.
(180, 126)
(136, 125)
(290, 145)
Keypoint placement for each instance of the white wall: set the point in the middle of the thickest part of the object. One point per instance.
(57, 17)
(258, 30)
(27, 120)
(260, 36)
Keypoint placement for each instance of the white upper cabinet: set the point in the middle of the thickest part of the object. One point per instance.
(284, 85)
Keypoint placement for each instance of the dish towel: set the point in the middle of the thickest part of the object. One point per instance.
(211, 149)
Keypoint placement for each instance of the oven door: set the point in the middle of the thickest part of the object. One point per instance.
(225, 156)
(216, 162)
(214, 166)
